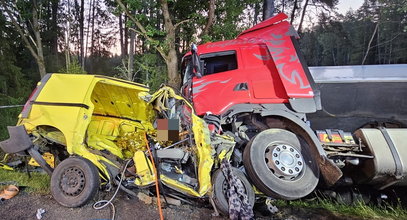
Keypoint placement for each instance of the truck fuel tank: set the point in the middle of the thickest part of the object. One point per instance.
(389, 165)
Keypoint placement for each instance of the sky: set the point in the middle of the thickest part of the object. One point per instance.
(345, 5)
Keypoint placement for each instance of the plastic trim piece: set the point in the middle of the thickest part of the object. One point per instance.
(396, 156)
(62, 104)
(27, 109)
(18, 142)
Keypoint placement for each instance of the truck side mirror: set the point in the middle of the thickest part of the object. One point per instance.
(196, 64)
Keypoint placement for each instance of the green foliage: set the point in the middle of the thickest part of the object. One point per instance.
(357, 209)
(8, 116)
(73, 68)
(38, 183)
(14, 85)
(12, 81)
(230, 19)
(149, 69)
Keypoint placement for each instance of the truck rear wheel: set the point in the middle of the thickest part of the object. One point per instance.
(74, 182)
(280, 165)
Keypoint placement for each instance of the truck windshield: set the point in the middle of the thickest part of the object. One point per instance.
(186, 69)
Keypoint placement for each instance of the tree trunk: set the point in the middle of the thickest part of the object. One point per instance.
(126, 36)
(370, 42)
(54, 24)
(171, 59)
(390, 50)
(378, 47)
(211, 17)
(67, 38)
(121, 30)
(92, 40)
(268, 9)
(91, 3)
(131, 56)
(81, 37)
(304, 10)
(256, 12)
(293, 11)
(36, 29)
(174, 79)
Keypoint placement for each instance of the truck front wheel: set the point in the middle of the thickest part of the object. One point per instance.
(280, 165)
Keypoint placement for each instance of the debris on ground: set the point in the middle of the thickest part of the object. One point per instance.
(5, 167)
(270, 207)
(9, 192)
(145, 198)
(169, 200)
(40, 212)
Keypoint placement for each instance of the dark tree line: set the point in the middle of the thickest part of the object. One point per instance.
(376, 33)
(144, 40)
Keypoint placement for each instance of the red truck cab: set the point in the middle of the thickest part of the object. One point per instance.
(260, 66)
(258, 89)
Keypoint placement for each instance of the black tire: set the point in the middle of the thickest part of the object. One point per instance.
(74, 182)
(269, 180)
(220, 199)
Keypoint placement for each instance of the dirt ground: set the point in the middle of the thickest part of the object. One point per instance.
(25, 205)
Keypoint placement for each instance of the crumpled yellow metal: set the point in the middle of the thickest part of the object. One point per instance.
(203, 148)
(116, 118)
(5, 167)
(48, 157)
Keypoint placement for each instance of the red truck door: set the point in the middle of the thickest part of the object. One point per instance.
(221, 82)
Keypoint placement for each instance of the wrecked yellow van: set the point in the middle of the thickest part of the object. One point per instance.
(69, 114)
(103, 131)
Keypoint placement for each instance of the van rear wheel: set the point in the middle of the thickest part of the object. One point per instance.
(74, 182)
(280, 164)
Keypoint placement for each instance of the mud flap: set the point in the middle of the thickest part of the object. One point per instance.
(330, 172)
(18, 142)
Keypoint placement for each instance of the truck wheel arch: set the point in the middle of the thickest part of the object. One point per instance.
(285, 120)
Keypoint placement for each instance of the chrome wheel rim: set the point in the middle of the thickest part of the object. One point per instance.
(284, 161)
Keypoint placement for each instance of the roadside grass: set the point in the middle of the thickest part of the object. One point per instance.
(357, 209)
(38, 183)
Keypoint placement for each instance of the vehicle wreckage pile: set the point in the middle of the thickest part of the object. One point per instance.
(239, 130)
(118, 136)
